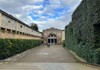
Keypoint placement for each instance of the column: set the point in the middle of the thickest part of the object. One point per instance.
(54, 41)
(48, 41)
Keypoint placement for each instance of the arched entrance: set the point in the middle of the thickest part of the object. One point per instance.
(52, 39)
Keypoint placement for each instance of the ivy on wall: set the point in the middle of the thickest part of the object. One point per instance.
(83, 32)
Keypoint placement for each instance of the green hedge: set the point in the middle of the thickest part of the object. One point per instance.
(10, 47)
(83, 49)
(91, 55)
(83, 33)
(63, 43)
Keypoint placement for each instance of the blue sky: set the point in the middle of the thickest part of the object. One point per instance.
(45, 13)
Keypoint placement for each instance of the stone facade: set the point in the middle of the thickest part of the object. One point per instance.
(10, 27)
(53, 36)
(63, 35)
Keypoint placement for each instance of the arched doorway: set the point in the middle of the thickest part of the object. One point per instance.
(52, 39)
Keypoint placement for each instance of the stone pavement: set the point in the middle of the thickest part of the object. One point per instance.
(47, 66)
(44, 58)
(43, 54)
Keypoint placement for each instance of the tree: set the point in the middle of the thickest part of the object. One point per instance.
(34, 26)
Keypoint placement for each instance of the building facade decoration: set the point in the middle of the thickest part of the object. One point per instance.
(53, 36)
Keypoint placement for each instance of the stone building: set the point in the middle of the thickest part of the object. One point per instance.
(10, 27)
(53, 36)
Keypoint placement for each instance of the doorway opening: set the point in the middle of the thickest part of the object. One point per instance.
(52, 39)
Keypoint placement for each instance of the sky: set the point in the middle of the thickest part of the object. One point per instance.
(45, 13)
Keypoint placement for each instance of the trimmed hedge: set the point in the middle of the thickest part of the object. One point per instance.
(63, 43)
(83, 33)
(10, 47)
(81, 48)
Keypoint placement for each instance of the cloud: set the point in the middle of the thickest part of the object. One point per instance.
(31, 7)
(45, 13)
(36, 1)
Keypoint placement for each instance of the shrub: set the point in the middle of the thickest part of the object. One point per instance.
(83, 49)
(64, 43)
(10, 47)
(83, 33)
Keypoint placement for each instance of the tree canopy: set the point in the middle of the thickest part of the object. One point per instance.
(34, 26)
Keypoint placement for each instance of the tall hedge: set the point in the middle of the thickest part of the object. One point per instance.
(10, 47)
(83, 32)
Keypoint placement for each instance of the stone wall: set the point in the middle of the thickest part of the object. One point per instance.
(10, 27)
(63, 35)
(17, 36)
(84, 29)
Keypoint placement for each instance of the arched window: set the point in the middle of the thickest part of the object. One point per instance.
(52, 35)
